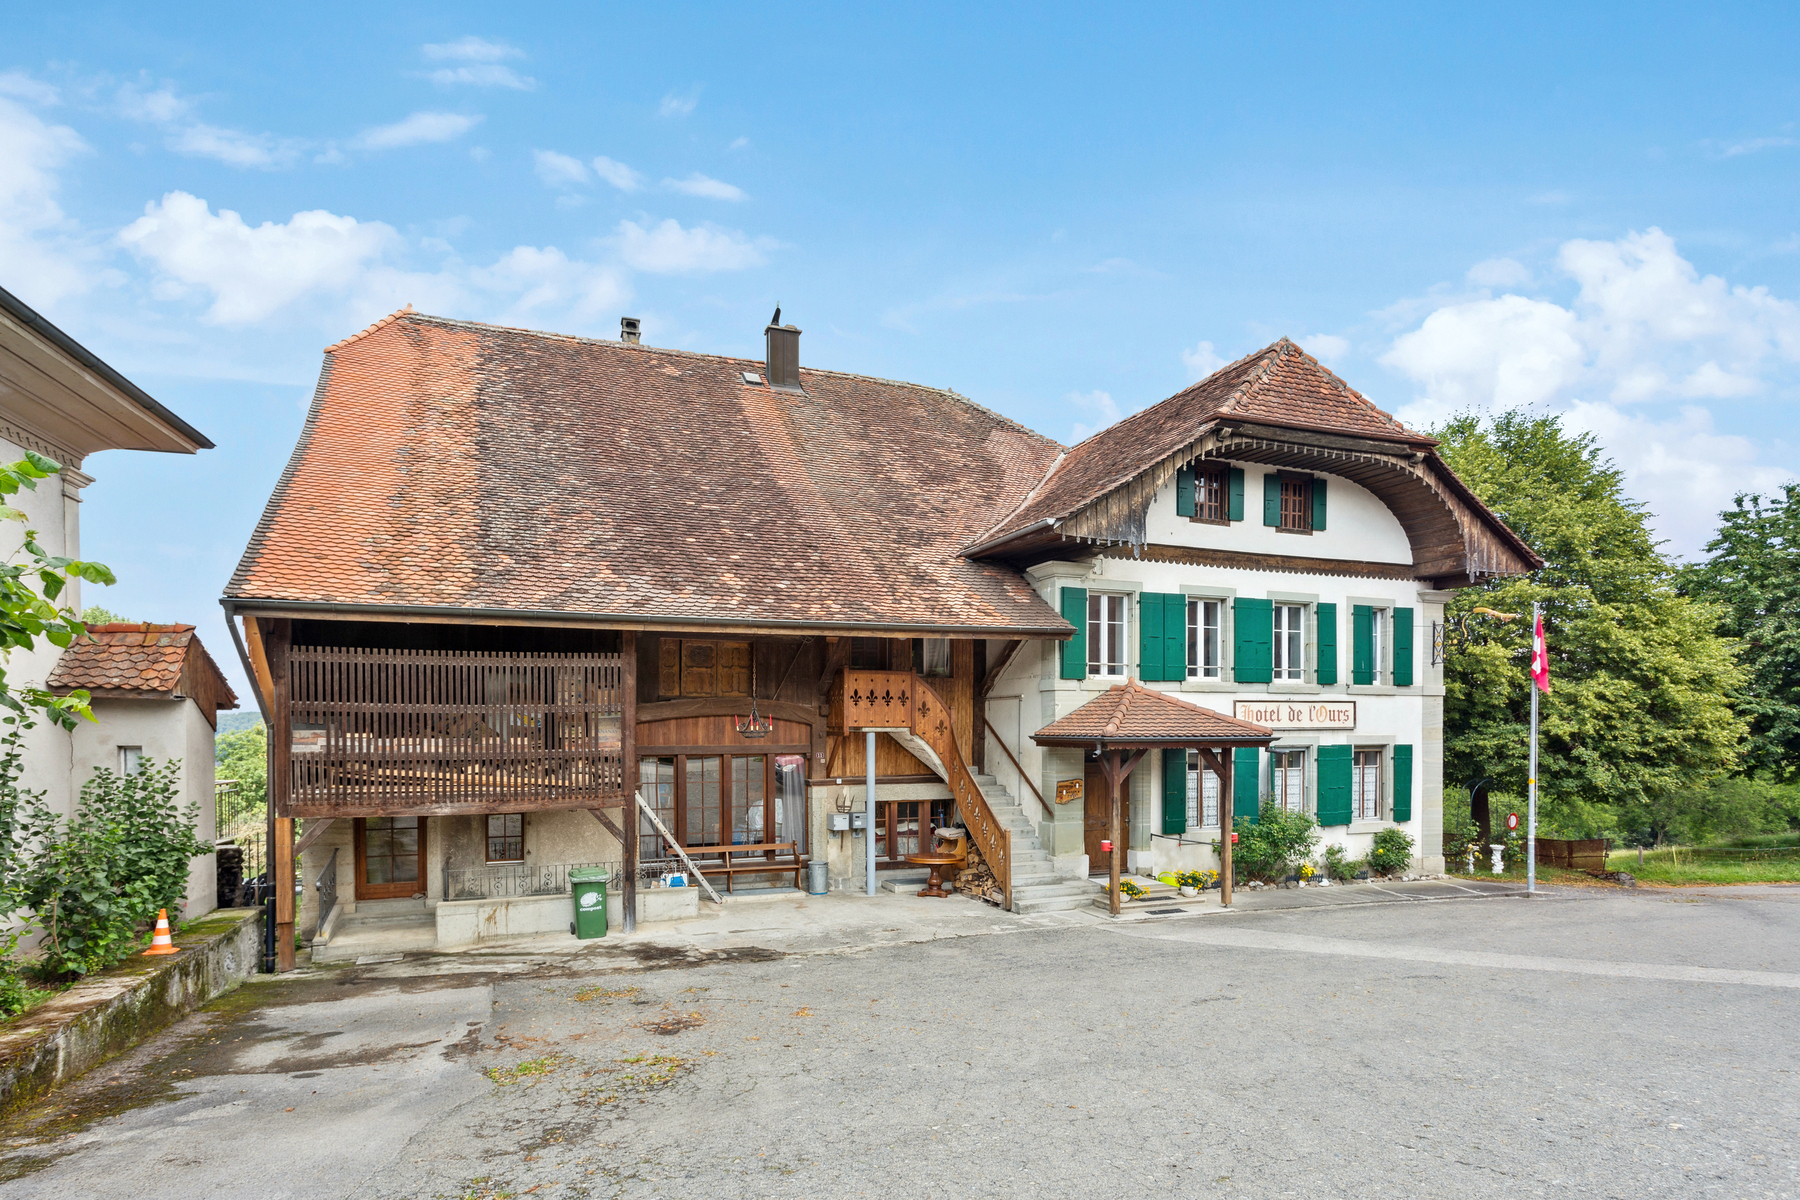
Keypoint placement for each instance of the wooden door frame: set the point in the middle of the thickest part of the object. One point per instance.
(360, 841)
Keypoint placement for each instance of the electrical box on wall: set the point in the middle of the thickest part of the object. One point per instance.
(859, 820)
(837, 822)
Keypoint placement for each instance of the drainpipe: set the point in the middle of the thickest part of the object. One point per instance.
(869, 807)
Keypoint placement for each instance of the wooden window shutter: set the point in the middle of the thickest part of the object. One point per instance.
(1246, 785)
(1175, 627)
(1318, 505)
(1334, 785)
(1362, 644)
(1174, 782)
(1403, 647)
(1235, 505)
(1272, 500)
(1074, 651)
(734, 668)
(1184, 491)
(1403, 763)
(1327, 644)
(1150, 635)
(1253, 627)
(668, 674)
(699, 668)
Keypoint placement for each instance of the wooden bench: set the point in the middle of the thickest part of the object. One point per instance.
(732, 861)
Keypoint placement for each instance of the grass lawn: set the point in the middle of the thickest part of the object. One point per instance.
(1676, 866)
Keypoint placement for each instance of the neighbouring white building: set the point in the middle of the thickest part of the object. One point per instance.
(59, 400)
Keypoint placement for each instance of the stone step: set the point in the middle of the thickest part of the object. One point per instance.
(1050, 899)
(1037, 879)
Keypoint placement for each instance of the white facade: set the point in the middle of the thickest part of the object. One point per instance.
(1360, 530)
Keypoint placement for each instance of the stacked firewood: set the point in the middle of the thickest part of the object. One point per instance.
(977, 879)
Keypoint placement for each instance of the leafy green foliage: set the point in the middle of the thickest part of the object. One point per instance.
(1275, 845)
(1640, 711)
(93, 615)
(97, 878)
(243, 759)
(1391, 852)
(29, 591)
(1752, 576)
(1339, 865)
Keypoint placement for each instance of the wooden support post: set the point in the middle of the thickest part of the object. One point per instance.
(1116, 768)
(276, 643)
(1227, 801)
(628, 777)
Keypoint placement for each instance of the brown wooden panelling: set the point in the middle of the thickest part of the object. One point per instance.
(423, 731)
(718, 731)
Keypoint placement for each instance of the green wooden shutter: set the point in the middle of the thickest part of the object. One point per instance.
(1272, 500)
(1318, 505)
(1074, 651)
(1334, 785)
(1235, 505)
(1403, 647)
(1253, 626)
(1150, 635)
(1362, 644)
(1174, 763)
(1327, 614)
(1175, 639)
(1246, 785)
(1184, 491)
(1402, 808)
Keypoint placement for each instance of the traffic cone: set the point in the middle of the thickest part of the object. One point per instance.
(162, 943)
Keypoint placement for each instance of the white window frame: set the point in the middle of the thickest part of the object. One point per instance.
(131, 759)
(1287, 778)
(935, 656)
(1378, 620)
(1365, 792)
(1109, 635)
(1288, 643)
(1202, 810)
(1198, 667)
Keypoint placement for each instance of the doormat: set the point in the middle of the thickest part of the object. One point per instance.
(1163, 912)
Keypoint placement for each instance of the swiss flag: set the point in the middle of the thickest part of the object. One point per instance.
(1540, 658)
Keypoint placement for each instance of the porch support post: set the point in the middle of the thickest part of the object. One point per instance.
(869, 805)
(1227, 800)
(281, 829)
(628, 776)
(1109, 769)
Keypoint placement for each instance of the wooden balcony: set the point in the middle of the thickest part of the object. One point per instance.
(393, 732)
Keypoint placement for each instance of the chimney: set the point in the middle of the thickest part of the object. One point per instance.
(629, 328)
(781, 355)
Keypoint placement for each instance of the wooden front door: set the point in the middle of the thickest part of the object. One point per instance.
(1097, 826)
(390, 858)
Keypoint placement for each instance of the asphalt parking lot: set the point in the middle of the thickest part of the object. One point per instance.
(1605, 1043)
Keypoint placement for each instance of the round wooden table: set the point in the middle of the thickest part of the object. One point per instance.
(935, 885)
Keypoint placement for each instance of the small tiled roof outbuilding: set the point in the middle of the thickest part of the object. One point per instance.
(125, 661)
(1130, 714)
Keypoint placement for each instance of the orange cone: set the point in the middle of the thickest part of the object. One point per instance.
(162, 943)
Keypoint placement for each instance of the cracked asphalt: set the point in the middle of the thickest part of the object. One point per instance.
(1600, 1042)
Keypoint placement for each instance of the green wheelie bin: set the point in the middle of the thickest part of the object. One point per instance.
(589, 887)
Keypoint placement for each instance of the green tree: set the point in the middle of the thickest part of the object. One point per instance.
(1641, 713)
(242, 758)
(1752, 576)
(93, 614)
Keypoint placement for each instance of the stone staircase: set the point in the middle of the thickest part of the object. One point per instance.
(379, 927)
(1037, 888)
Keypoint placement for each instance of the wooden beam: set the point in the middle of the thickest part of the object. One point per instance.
(315, 829)
(726, 706)
(999, 665)
(1116, 768)
(276, 640)
(836, 655)
(607, 823)
(1226, 802)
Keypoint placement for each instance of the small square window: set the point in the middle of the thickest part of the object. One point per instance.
(131, 758)
(506, 837)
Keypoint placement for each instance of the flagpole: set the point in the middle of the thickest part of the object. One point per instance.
(1531, 777)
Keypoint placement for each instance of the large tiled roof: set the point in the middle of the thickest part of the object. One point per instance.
(142, 659)
(453, 465)
(1130, 714)
(1280, 385)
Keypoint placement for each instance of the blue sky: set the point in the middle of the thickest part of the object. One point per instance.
(1064, 212)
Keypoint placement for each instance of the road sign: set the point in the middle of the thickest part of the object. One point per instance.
(1512, 822)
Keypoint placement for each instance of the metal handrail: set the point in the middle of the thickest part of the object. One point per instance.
(326, 885)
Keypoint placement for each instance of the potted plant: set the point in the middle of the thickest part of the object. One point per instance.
(1306, 873)
(1129, 890)
(1192, 883)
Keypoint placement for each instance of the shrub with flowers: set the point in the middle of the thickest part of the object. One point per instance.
(1129, 890)
(1197, 879)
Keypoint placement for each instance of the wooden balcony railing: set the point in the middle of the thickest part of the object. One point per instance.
(902, 701)
(386, 732)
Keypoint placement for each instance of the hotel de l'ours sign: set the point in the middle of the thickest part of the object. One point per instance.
(1298, 714)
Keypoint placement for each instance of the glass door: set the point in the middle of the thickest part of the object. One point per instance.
(390, 858)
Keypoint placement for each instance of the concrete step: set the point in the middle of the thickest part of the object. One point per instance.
(1052, 898)
(1036, 879)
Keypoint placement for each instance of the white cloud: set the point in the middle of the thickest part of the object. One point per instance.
(1326, 347)
(739, 143)
(667, 248)
(547, 279)
(419, 128)
(1499, 272)
(23, 87)
(470, 49)
(704, 185)
(40, 256)
(674, 105)
(158, 106)
(1752, 145)
(252, 272)
(559, 170)
(618, 174)
(233, 147)
(1202, 360)
(1097, 404)
(482, 75)
(1508, 352)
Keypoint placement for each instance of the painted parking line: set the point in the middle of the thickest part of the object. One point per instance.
(1300, 943)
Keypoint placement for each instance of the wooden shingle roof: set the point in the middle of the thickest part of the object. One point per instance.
(1131, 714)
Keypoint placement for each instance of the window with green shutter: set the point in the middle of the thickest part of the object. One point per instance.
(1151, 650)
(1184, 491)
(1327, 644)
(1334, 785)
(1403, 647)
(1272, 500)
(1318, 505)
(1362, 645)
(1246, 785)
(1175, 623)
(1174, 789)
(1253, 627)
(1074, 651)
(1234, 508)
(1403, 775)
